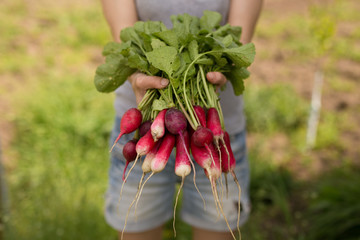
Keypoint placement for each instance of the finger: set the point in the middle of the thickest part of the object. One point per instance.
(145, 82)
(216, 78)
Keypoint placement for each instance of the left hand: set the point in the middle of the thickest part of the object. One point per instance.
(216, 78)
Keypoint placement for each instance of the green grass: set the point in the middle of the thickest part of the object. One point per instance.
(59, 183)
(335, 205)
(284, 109)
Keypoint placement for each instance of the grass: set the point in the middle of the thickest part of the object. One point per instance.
(59, 160)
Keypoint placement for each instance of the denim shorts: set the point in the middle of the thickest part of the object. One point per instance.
(156, 204)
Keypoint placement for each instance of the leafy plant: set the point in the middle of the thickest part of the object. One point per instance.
(335, 210)
(274, 108)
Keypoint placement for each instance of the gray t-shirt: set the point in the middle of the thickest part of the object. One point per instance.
(161, 10)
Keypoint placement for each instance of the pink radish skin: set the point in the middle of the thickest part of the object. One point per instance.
(214, 124)
(215, 168)
(130, 121)
(201, 155)
(212, 171)
(202, 136)
(143, 147)
(162, 156)
(182, 162)
(175, 121)
(182, 166)
(159, 161)
(228, 165)
(129, 152)
(146, 166)
(201, 115)
(144, 128)
(227, 154)
(158, 126)
(145, 144)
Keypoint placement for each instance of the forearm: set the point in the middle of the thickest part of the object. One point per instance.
(119, 14)
(245, 13)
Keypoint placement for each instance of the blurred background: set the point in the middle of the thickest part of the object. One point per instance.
(302, 106)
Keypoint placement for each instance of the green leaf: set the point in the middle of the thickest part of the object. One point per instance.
(193, 48)
(227, 41)
(152, 27)
(129, 34)
(115, 47)
(163, 58)
(169, 37)
(158, 105)
(138, 62)
(222, 31)
(139, 27)
(112, 74)
(236, 77)
(156, 43)
(146, 41)
(210, 20)
(241, 56)
(205, 61)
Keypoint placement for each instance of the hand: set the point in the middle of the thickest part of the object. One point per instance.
(141, 82)
(216, 78)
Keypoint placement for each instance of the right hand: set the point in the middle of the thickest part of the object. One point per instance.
(141, 82)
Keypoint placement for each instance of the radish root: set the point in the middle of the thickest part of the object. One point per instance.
(221, 209)
(193, 167)
(239, 197)
(124, 181)
(176, 202)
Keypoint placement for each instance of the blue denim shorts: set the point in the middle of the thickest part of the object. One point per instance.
(156, 204)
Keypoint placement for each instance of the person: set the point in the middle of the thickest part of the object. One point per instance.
(156, 204)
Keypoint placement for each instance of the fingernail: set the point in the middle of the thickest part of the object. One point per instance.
(164, 82)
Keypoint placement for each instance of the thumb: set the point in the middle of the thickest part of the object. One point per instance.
(145, 82)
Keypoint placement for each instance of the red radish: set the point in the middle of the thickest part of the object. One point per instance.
(158, 163)
(201, 155)
(158, 126)
(163, 153)
(227, 153)
(143, 146)
(182, 162)
(213, 172)
(201, 115)
(175, 121)
(229, 166)
(161, 157)
(146, 167)
(144, 127)
(182, 166)
(129, 153)
(214, 124)
(202, 136)
(215, 168)
(130, 121)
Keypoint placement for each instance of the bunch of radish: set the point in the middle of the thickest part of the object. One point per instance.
(154, 140)
(186, 115)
